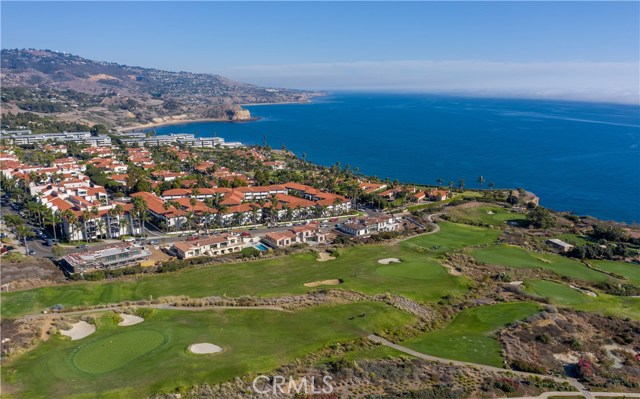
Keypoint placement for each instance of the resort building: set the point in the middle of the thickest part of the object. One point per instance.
(364, 227)
(212, 246)
(111, 257)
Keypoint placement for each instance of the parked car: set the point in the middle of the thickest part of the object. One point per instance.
(83, 246)
(130, 239)
(48, 242)
(31, 252)
(192, 238)
(154, 242)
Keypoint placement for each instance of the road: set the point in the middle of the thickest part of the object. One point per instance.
(572, 381)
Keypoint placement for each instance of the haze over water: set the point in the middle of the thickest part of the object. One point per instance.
(581, 157)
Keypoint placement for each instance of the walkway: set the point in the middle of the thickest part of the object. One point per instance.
(572, 381)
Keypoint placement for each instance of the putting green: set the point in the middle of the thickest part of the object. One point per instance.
(116, 350)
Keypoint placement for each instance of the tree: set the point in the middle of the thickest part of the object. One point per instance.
(86, 215)
(58, 251)
(439, 181)
(541, 218)
(23, 232)
(461, 184)
(480, 180)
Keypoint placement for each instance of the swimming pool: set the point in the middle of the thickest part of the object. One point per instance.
(261, 247)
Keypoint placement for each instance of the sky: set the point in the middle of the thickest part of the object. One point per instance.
(570, 50)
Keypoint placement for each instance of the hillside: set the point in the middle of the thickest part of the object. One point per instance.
(75, 89)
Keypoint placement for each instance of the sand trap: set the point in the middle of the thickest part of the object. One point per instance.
(516, 283)
(323, 282)
(325, 256)
(204, 348)
(586, 292)
(129, 320)
(491, 213)
(79, 330)
(386, 261)
(452, 270)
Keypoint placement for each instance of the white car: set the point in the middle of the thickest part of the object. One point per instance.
(130, 239)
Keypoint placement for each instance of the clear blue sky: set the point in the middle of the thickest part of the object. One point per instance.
(348, 45)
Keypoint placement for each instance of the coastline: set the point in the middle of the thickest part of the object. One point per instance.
(179, 122)
(282, 103)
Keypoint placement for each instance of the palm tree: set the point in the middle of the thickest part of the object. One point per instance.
(439, 181)
(71, 219)
(254, 213)
(461, 184)
(274, 208)
(23, 232)
(54, 218)
(94, 214)
(491, 185)
(86, 214)
(480, 180)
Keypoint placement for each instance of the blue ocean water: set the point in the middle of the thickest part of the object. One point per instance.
(581, 157)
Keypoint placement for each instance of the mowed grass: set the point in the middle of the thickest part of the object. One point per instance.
(420, 276)
(629, 271)
(469, 337)
(565, 296)
(558, 293)
(493, 215)
(254, 341)
(453, 236)
(114, 351)
(516, 257)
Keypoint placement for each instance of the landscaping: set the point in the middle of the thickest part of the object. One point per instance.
(469, 337)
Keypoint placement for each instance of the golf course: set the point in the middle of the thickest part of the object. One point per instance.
(154, 355)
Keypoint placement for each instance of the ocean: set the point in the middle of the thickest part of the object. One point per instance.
(580, 157)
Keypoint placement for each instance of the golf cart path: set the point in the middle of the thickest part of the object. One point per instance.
(436, 229)
(572, 381)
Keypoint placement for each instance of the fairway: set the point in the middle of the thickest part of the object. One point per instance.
(420, 275)
(629, 271)
(116, 350)
(517, 257)
(253, 340)
(453, 236)
(558, 293)
(469, 336)
(563, 295)
(490, 215)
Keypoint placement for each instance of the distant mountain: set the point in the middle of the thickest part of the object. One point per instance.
(76, 89)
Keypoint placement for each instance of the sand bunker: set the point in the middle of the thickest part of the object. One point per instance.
(386, 261)
(586, 292)
(324, 256)
(323, 282)
(79, 330)
(452, 270)
(129, 320)
(204, 348)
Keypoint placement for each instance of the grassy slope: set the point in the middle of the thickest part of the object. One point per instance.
(469, 336)
(419, 277)
(629, 271)
(563, 295)
(519, 258)
(253, 341)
